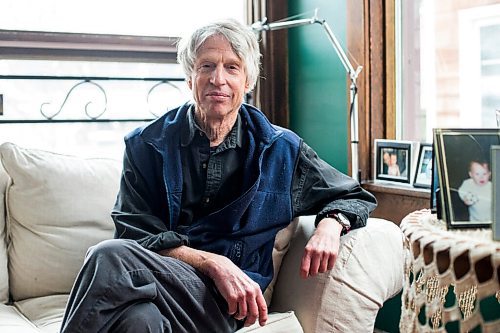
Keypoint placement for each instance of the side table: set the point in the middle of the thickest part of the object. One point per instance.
(451, 277)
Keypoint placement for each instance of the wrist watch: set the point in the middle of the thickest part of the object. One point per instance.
(342, 220)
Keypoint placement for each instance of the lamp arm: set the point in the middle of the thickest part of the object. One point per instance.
(264, 26)
(353, 74)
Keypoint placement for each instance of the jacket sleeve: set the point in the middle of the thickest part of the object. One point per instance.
(319, 188)
(140, 209)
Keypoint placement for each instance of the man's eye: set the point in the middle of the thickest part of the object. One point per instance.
(206, 66)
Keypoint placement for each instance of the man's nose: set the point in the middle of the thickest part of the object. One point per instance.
(218, 76)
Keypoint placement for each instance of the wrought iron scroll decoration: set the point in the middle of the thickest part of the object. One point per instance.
(50, 117)
(151, 91)
(47, 116)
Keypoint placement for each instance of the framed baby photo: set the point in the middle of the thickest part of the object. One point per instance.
(464, 163)
(394, 160)
(423, 171)
(495, 179)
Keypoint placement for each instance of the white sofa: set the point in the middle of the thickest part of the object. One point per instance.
(53, 207)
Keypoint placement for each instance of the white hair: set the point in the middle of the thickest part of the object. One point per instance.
(242, 39)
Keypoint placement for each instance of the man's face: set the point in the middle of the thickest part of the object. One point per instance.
(218, 80)
(479, 173)
(394, 159)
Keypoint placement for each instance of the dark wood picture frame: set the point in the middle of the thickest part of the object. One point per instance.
(464, 205)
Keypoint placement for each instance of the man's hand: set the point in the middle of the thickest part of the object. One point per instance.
(322, 248)
(243, 296)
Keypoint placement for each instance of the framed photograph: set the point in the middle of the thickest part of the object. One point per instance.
(464, 163)
(423, 171)
(435, 203)
(495, 178)
(394, 160)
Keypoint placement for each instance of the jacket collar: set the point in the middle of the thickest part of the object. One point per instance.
(169, 126)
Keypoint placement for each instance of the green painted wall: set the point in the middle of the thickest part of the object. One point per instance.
(318, 81)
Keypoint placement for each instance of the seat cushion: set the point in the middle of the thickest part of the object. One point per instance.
(46, 313)
(57, 207)
(11, 321)
(278, 322)
(4, 277)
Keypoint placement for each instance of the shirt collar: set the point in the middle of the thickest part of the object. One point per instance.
(234, 138)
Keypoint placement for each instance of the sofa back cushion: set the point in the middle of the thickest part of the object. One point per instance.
(57, 207)
(4, 277)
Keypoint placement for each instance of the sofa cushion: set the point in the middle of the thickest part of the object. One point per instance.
(4, 276)
(368, 271)
(11, 321)
(57, 207)
(46, 313)
(277, 322)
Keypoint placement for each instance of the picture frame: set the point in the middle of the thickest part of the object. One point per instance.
(495, 179)
(423, 171)
(435, 203)
(394, 160)
(464, 171)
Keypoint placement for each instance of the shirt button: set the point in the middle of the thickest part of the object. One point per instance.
(207, 200)
(204, 165)
(201, 133)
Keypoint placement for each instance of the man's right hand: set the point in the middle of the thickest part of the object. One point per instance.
(243, 296)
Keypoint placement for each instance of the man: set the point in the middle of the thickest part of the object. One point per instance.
(204, 190)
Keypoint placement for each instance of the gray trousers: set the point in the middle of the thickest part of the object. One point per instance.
(123, 287)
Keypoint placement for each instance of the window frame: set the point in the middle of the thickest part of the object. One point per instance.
(371, 37)
(15, 44)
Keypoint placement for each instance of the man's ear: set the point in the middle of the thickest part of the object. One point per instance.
(190, 84)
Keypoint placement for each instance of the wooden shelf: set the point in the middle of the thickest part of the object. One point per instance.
(395, 201)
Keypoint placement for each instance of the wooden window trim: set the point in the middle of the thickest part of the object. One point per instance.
(72, 46)
(370, 38)
(271, 93)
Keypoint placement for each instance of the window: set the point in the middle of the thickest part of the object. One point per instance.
(76, 76)
(448, 69)
(117, 17)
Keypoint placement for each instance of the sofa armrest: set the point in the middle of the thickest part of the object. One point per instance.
(368, 271)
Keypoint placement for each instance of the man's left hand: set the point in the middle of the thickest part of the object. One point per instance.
(322, 248)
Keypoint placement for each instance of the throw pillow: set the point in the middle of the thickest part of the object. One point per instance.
(57, 207)
(4, 277)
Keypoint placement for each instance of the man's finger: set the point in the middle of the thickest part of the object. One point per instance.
(261, 303)
(323, 267)
(305, 265)
(331, 261)
(253, 312)
(315, 262)
(242, 309)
